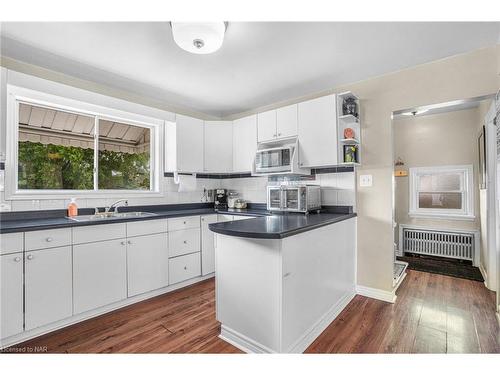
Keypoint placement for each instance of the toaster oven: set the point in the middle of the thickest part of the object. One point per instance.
(293, 198)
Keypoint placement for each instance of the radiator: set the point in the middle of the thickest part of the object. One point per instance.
(449, 244)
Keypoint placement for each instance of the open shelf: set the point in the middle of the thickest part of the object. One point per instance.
(349, 141)
(351, 122)
(349, 118)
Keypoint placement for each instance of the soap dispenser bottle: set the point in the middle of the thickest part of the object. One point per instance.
(72, 208)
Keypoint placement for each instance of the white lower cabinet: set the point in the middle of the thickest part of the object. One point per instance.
(182, 242)
(207, 245)
(11, 294)
(147, 263)
(48, 286)
(184, 267)
(99, 274)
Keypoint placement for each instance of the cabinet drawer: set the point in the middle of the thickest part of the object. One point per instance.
(140, 228)
(42, 239)
(183, 242)
(95, 233)
(187, 222)
(11, 243)
(184, 268)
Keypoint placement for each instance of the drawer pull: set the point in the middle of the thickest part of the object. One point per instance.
(184, 222)
(287, 274)
(129, 242)
(123, 243)
(30, 257)
(185, 241)
(185, 267)
(17, 259)
(49, 239)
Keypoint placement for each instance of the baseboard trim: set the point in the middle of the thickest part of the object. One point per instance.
(242, 342)
(308, 338)
(379, 294)
(248, 345)
(484, 274)
(28, 335)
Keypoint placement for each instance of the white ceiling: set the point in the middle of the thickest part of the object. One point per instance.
(259, 63)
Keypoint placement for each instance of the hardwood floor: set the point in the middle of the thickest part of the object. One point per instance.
(433, 314)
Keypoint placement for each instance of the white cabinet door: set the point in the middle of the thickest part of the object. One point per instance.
(147, 263)
(318, 132)
(99, 274)
(286, 121)
(48, 286)
(266, 126)
(189, 144)
(218, 146)
(11, 294)
(207, 245)
(184, 267)
(244, 143)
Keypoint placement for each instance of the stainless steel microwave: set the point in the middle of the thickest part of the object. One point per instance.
(274, 160)
(294, 198)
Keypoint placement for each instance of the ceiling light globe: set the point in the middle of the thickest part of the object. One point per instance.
(199, 37)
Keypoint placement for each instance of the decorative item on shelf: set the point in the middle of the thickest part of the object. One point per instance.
(350, 154)
(349, 133)
(399, 170)
(350, 107)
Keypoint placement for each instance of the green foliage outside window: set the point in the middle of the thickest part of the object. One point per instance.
(71, 168)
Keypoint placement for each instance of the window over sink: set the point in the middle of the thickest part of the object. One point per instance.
(61, 150)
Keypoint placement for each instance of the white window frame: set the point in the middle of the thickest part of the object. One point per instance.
(467, 181)
(17, 95)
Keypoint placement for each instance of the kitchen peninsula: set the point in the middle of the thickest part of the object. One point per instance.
(282, 279)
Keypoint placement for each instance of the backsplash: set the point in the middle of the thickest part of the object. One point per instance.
(336, 189)
(171, 196)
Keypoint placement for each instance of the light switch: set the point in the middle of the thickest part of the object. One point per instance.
(365, 180)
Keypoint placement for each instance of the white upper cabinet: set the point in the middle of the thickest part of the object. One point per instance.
(244, 143)
(218, 147)
(266, 126)
(184, 145)
(276, 124)
(317, 124)
(286, 121)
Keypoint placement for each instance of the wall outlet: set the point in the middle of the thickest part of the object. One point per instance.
(365, 180)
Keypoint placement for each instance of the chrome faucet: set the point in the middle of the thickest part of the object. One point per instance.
(114, 205)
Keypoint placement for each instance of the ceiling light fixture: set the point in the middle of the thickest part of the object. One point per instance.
(199, 37)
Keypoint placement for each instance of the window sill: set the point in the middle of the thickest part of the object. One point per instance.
(85, 195)
(442, 216)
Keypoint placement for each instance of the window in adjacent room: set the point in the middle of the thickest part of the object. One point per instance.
(444, 191)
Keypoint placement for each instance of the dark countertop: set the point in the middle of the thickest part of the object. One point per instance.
(38, 221)
(278, 226)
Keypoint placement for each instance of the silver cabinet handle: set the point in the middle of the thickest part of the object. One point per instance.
(185, 267)
(287, 274)
(184, 222)
(30, 257)
(49, 239)
(274, 135)
(129, 242)
(279, 134)
(185, 241)
(123, 243)
(18, 259)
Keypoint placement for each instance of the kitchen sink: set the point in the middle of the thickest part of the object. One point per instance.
(111, 215)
